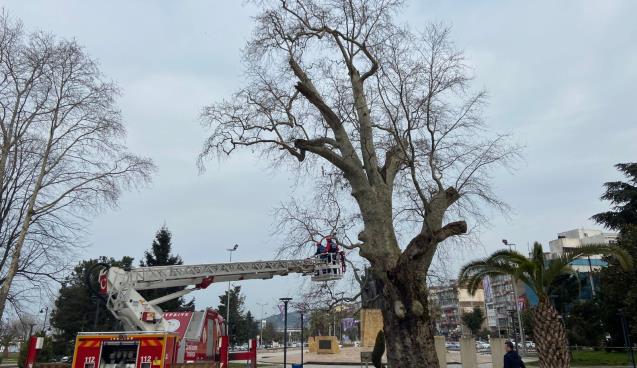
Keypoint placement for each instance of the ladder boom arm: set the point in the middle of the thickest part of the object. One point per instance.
(143, 278)
(129, 306)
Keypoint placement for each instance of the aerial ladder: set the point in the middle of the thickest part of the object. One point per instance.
(154, 338)
(121, 287)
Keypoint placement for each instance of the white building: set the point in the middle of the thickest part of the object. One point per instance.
(499, 300)
(576, 238)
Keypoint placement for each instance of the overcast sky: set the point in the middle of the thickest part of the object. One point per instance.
(561, 77)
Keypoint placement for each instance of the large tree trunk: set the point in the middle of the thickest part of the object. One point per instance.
(17, 252)
(550, 336)
(406, 321)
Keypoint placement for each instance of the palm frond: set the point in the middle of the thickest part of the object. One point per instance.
(610, 250)
(510, 256)
(472, 274)
(554, 268)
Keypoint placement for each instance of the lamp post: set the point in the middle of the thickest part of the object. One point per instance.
(301, 309)
(97, 300)
(515, 302)
(230, 250)
(46, 313)
(626, 333)
(513, 332)
(302, 338)
(285, 330)
(590, 277)
(261, 323)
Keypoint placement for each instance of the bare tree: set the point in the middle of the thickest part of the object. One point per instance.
(61, 154)
(10, 334)
(340, 88)
(301, 224)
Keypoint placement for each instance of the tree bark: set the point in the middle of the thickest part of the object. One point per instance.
(550, 336)
(406, 321)
(402, 275)
(15, 261)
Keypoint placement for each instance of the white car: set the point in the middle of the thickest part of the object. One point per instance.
(453, 345)
(481, 345)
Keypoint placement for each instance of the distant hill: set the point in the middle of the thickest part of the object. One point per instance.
(294, 321)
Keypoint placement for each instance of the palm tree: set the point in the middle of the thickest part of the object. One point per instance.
(539, 274)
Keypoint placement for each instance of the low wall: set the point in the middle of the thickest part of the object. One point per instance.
(497, 351)
(468, 353)
(312, 345)
(441, 351)
(371, 323)
(326, 345)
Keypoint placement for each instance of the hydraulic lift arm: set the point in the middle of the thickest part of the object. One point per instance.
(136, 313)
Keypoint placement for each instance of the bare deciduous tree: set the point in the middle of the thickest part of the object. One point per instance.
(389, 114)
(61, 156)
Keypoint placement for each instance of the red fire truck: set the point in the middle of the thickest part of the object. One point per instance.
(158, 339)
(125, 350)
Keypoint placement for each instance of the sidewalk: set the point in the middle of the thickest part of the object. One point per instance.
(349, 356)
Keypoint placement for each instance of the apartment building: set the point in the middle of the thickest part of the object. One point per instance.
(450, 302)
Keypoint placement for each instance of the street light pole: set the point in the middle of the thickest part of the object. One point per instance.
(46, 313)
(625, 331)
(261, 323)
(515, 295)
(590, 277)
(230, 250)
(97, 311)
(302, 338)
(285, 330)
(513, 334)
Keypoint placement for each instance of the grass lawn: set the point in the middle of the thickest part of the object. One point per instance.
(13, 358)
(599, 358)
(585, 358)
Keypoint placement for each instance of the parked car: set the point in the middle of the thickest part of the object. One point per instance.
(452, 345)
(483, 345)
(529, 344)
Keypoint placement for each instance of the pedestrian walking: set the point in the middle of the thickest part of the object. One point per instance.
(511, 358)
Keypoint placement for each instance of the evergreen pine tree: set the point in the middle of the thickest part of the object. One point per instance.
(623, 196)
(618, 290)
(75, 307)
(251, 326)
(160, 255)
(237, 326)
(473, 320)
(618, 287)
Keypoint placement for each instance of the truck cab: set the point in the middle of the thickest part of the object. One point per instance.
(125, 350)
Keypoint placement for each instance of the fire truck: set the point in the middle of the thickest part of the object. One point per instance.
(158, 339)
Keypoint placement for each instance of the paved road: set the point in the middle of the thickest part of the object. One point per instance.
(294, 357)
(350, 366)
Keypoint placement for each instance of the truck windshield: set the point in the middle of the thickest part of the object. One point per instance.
(119, 354)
